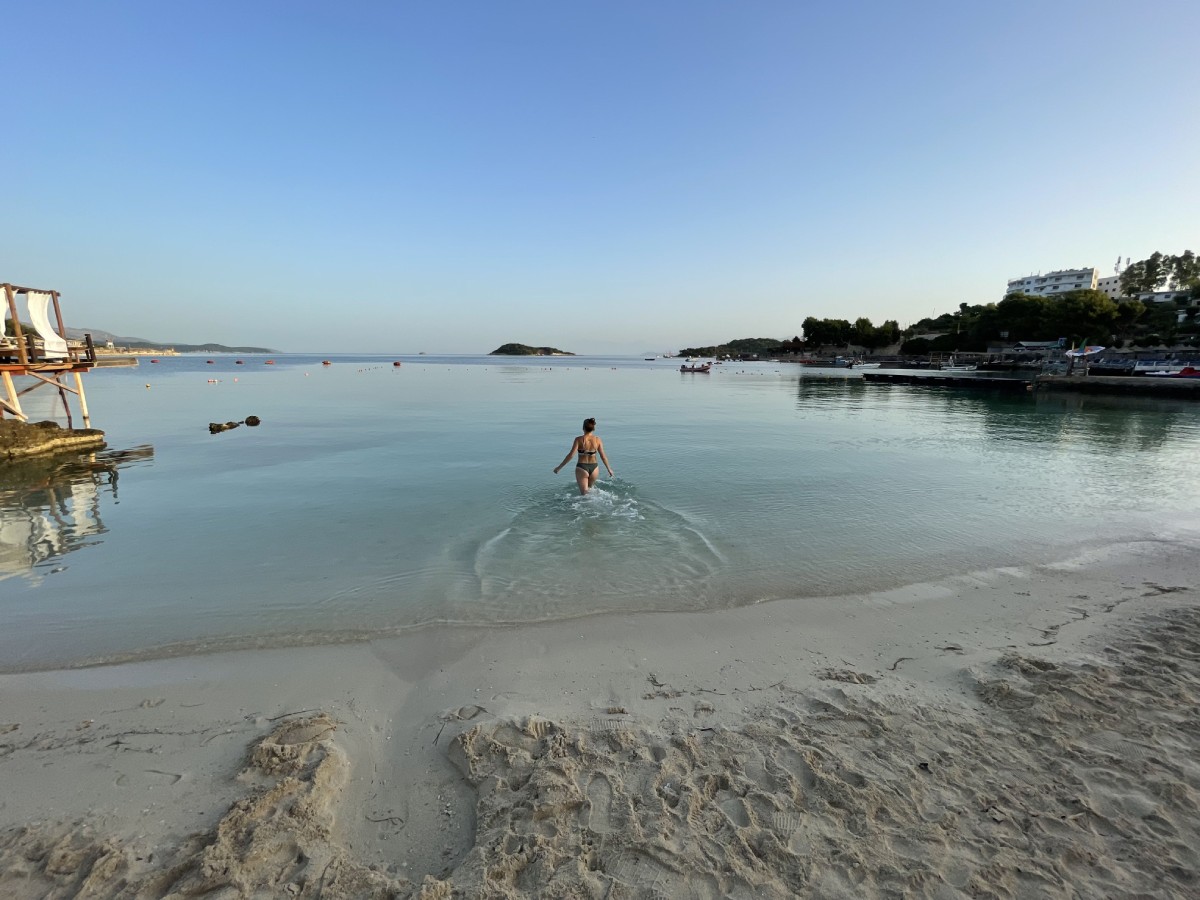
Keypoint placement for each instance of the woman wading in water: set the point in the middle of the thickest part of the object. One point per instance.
(588, 446)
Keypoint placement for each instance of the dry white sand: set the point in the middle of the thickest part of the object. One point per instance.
(1017, 733)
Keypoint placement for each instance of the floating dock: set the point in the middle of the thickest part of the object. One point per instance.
(1133, 386)
(937, 380)
(1129, 385)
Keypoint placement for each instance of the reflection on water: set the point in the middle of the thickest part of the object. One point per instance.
(332, 521)
(51, 506)
(1040, 417)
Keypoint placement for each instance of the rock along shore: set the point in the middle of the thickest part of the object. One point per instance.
(21, 439)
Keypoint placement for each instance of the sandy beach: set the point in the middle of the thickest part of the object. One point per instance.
(1010, 733)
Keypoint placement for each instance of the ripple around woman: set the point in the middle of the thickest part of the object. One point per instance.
(587, 445)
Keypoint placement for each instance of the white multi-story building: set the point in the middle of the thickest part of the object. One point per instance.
(1053, 282)
(1111, 285)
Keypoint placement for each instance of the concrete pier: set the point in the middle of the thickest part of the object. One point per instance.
(939, 380)
(1135, 385)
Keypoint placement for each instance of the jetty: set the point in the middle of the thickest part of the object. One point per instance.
(1135, 385)
(933, 379)
(40, 354)
(1130, 385)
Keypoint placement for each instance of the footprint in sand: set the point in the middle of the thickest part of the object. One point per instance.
(785, 823)
(600, 796)
(175, 777)
(735, 809)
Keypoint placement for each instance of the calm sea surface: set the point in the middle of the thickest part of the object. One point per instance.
(376, 498)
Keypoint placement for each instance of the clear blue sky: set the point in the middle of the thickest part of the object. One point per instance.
(600, 176)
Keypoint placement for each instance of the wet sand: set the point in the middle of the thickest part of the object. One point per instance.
(1008, 733)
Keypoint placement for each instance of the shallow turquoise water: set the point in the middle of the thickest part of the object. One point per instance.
(375, 498)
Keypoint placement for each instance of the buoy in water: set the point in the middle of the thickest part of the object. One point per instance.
(397, 365)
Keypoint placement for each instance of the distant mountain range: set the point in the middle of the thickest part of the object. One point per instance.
(101, 337)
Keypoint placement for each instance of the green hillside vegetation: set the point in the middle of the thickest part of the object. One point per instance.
(738, 347)
(1075, 315)
(526, 350)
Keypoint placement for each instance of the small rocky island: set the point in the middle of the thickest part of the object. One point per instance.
(526, 350)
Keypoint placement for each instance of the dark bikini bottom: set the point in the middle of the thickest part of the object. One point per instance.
(587, 467)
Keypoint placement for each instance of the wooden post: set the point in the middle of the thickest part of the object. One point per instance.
(13, 402)
(18, 336)
(62, 394)
(87, 419)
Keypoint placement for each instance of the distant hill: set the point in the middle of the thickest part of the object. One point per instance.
(737, 347)
(101, 337)
(526, 350)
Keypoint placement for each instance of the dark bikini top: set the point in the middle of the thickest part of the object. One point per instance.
(588, 452)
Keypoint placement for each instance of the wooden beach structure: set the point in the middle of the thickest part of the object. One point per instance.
(42, 354)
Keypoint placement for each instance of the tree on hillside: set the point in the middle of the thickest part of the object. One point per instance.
(1128, 313)
(888, 333)
(863, 333)
(1082, 313)
(827, 332)
(1145, 275)
(1023, 316)
(1185, 271)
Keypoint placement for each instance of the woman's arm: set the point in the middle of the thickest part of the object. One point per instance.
(567, 458)
(603, 456)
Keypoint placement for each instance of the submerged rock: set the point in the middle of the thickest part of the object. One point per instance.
(218, 427)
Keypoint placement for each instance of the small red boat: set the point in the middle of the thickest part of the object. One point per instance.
(269, 362)
(326, 362)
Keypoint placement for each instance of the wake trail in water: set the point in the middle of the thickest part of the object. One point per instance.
(565, 554)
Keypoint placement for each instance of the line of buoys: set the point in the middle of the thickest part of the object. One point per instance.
(218, 427)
